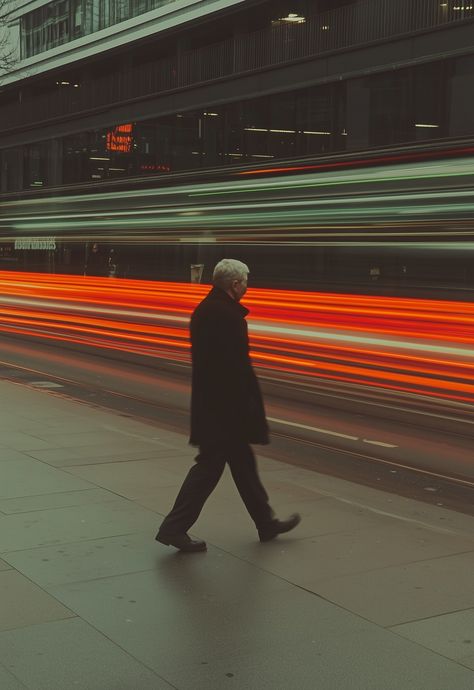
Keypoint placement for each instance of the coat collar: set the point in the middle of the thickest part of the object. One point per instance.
(218, 294)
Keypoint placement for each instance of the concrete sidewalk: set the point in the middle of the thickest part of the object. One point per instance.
(370, 592)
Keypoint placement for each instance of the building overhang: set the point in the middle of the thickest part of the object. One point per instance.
(143, 26)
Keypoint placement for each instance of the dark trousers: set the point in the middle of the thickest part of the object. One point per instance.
(202, 479)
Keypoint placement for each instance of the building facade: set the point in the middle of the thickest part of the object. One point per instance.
(114, 88)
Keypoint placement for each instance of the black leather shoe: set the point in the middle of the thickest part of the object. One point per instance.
(183, 542)
(276, 527)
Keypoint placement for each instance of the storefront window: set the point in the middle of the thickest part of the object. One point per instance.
(421, 103)
(391, 108)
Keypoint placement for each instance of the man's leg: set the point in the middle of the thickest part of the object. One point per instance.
(243, 466)
(201, 480)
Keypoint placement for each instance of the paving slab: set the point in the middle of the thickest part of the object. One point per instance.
(74, 523)
(380, 502)
(22, 603)
(113, 436)
(404, 593)
(308, 561)
(8, 454)
(27, 477)
(24, 441)
(8, 681)
(86, 560)
(71, 654)
(30, 504)
(451, 635)
(467, 661)
(130, 478)
(83, 455)
(324, 607)
(199, 622)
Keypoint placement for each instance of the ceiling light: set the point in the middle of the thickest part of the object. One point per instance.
(293, 18)
(426, 125)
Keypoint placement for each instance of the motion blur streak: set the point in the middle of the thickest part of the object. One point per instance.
(403, 344)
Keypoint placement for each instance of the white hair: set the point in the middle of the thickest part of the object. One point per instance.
(228, 270)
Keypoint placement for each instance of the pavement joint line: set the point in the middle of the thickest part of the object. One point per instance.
(427, 647)
(154, 441)
(112, 499)
(315, 593)
(4, 554)
(377, 511)
(429, 618)
(128, 653)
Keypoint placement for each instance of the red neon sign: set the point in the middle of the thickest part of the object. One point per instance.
(120, 139)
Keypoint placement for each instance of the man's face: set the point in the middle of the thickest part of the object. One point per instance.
(239, 288)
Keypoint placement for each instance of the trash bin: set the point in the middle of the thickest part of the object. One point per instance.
(196, 272)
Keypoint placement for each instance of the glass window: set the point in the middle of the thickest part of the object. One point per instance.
(234, 144)
(255, 125)
(35, 167)
(78, 18)
(187, 145)
(430, 100)
(316, 119)
(64, 20)
(391, 108)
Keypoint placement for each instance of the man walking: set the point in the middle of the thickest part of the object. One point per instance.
(227, 413)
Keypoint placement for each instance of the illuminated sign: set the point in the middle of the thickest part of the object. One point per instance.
(155, 167)
(120, 139)
(35, 243)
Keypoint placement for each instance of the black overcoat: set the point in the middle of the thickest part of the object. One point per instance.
(226, 402)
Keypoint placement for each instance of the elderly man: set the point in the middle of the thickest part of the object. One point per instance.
(227, 413)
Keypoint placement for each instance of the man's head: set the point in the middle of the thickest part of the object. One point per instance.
(231, 275)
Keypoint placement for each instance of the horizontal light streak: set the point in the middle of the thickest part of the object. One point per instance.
(316, 203)
(360, 162)
(412, 345)
(333, 175)
(173, 209)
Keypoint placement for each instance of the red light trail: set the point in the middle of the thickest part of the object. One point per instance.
(412, 345)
